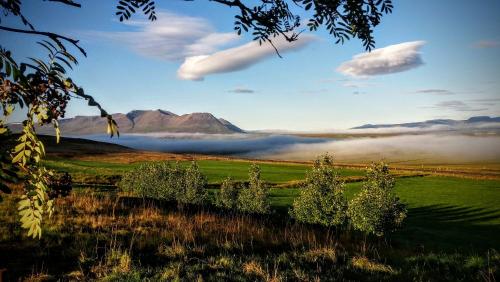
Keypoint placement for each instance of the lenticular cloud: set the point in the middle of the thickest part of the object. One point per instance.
(237, 58)
(391, 59)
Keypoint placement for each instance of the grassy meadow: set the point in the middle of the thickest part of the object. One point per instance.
(445, 212)
(101, 233)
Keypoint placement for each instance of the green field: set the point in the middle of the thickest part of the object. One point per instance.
(444, 212)
(214, 170)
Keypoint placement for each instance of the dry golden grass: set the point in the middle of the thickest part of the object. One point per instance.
(363, 263)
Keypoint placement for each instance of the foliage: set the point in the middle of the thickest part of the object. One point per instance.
(44, 89)
(156, 180)
(60, 185)
(193, 191)
(376, 209)
(268, 19)
(322, 200)
(160, 180)
(227, 197)
(255, 197)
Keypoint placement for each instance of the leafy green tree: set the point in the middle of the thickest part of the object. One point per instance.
(44, 88)
(255, 197)
(322, 200)
(376, 209)
(194, 188)
(227, 197)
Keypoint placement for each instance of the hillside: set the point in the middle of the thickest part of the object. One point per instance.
(144, 121)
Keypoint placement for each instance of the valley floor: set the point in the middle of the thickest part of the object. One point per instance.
(451, 232)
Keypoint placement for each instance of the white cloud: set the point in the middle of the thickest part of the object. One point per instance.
(237, 58)
(171, 37)
(391, 59)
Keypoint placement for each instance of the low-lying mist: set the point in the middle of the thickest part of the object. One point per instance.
(429, 148)
(218, 144)
(424, 148)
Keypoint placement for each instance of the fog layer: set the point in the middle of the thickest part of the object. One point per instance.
(424, 148)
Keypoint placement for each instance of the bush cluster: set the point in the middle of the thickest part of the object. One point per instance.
(375, 210)
(253, 198)
(161, 180)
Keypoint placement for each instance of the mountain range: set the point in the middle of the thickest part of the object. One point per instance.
(146, 121)
(473, 122)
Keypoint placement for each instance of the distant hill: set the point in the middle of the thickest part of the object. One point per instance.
(147, 121)
(439, 123)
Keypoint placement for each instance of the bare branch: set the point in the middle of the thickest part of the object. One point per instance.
(55, 37)
(67, 2)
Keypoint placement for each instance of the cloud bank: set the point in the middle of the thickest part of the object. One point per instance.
(405, 149)
(237, 58)
(171, 37)
(425, 148)
(391, 59)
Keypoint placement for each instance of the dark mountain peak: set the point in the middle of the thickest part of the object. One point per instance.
(144, 121)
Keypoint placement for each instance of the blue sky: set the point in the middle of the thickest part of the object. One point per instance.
(447, 66)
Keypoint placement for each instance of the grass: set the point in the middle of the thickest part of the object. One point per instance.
(451, 233)
(444, 212)
(112, 237)
(214, 170)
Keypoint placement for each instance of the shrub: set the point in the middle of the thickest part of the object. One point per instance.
(160, 180)
(322, 200)
(193, 191)
(376, 210)
(255, 197)
(156, 180)
(60, 185)
(227, 197)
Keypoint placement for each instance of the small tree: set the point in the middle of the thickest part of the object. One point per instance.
(322, 200)
(193, 191)
(227, 197)
(376, 210)
(255, 197)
